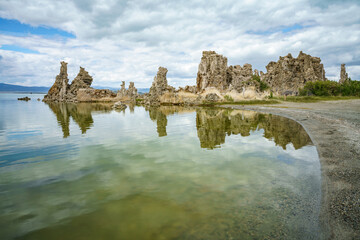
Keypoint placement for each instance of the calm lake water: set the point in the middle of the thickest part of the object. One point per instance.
(84, 171)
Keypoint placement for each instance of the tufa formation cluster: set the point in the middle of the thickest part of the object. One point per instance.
(80, 89)
(215, 82)
(289, 74)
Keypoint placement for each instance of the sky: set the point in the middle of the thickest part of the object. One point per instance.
(128, 40)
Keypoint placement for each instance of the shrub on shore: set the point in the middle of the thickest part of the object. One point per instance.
(263, 85)
(331, 88)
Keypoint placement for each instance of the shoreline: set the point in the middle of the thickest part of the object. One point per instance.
(334, 128)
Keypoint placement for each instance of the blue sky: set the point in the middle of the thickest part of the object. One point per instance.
(15, 48)
(128, 40)
(16, 28)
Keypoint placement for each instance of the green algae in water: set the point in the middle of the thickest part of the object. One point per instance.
(155, 173)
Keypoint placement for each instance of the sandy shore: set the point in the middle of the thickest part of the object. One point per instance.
(334, 127)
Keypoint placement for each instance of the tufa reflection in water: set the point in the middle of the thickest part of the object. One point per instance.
(213, 125)
(80, 113)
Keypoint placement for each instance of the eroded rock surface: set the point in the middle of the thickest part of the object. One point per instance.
(119, 106)
(159, 87)
(289, 74)
(212, 71)
(79, 89)
(343, 74)
(95, 95)
(59, 89)
(239, 77)
(82, 80)
(160, 84)
(129, 94)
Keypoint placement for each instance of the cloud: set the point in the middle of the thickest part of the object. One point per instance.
(128, 40)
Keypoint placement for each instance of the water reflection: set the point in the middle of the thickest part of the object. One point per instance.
(213, 125)
(157, 115)
(80, 113)
(122, 178)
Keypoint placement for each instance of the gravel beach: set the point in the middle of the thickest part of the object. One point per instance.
(334, 127)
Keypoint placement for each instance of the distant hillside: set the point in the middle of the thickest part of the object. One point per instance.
(143, 90)
(16, 88)
(140, 90)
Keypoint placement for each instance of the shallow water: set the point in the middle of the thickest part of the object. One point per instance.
(84, 171)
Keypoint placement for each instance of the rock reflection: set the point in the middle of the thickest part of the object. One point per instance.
(131, 107)
(80, 113)
(213, 125)
(159, 114)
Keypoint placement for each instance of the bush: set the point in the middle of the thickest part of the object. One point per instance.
(331, 88)
(263, 85)
(228, 98)
(350, 88)
(271, 94)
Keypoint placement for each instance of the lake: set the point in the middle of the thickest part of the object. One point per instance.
(85, 171)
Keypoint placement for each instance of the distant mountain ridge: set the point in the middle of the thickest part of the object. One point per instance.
(4, 87)
(140, 90)
(17, 88)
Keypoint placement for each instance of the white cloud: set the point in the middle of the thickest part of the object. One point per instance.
(128, 40)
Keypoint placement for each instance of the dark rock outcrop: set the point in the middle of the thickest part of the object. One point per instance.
(24, 99)
(289, 74)
(343, 74)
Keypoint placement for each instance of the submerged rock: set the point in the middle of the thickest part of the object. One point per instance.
(119, 106)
